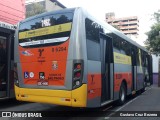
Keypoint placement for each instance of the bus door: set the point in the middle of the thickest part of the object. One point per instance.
(3, 66)
(149, 69)
(106, 57)
(133, 59)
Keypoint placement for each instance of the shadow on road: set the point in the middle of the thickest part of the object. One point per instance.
(10, 103)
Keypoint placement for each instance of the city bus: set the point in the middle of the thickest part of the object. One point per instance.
(6, 60)
(70, 58)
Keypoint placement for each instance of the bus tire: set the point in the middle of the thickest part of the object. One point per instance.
(122, 94)
(143, 90)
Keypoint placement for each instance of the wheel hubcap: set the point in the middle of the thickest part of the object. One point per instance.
(122, 94)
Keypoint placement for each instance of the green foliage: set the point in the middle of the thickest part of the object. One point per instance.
(36, 9)
(153, 41)
(157, 16)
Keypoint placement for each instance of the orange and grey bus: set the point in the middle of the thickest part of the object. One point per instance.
(6, 60)
(69, 58)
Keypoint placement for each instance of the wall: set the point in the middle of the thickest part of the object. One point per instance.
(155, 69)
(155, 63)
(12, 11)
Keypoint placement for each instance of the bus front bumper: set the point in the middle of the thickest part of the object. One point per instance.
(74, 98)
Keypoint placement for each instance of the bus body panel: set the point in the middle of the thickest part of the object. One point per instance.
(94, 84)
(77, 49)
(52, 71)
(122, 72)
(140, 77)
(75, 98)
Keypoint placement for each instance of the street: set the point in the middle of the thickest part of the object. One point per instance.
(147, 101)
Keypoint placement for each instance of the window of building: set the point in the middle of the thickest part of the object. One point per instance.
(132, 24)
(115, 22)
(125, 25)
(124, 20)
(133, 20)
(133, 29)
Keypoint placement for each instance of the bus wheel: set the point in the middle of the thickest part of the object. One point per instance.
(122, 95)
(143, 90)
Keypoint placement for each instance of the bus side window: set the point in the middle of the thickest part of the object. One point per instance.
(125, 46)
(122, 46)
(116, 42)
(138, 56)
(116, 45)
(143, 58)
(92, 39)
(133, 55)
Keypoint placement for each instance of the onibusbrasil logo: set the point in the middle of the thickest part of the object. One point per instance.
(21, 114)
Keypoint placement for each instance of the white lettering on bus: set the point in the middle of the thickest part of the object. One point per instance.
(46, 23)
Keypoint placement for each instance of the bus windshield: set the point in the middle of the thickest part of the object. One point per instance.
(45, 30)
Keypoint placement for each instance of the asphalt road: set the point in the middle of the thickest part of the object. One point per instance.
(147, 101)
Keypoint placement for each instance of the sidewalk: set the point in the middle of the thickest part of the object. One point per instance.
(147, 101)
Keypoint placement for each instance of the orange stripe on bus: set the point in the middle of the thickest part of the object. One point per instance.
(52, 61)
(118, 77)
(94, 85)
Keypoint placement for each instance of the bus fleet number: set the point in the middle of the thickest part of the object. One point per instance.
(59, 49)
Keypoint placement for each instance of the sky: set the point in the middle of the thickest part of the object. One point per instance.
(122, 8)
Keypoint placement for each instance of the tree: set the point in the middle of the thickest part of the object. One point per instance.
(153, 41)
(156, 16)
(37, 8)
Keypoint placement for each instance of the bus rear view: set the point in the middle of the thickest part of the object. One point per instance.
(44, 72)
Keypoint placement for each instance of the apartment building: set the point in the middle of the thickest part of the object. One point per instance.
(127, 25)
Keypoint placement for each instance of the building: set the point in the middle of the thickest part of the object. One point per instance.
(127, 25)
(47, 5)
(53, 5)
(12, 12)
(156, 68)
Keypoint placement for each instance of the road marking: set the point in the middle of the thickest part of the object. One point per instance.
(107, 108)
(106, 118)
(119, 108)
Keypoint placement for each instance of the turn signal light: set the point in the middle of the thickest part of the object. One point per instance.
(78, 66)
(78, 74)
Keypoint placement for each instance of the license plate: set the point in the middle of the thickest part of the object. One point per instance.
(42, 83)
